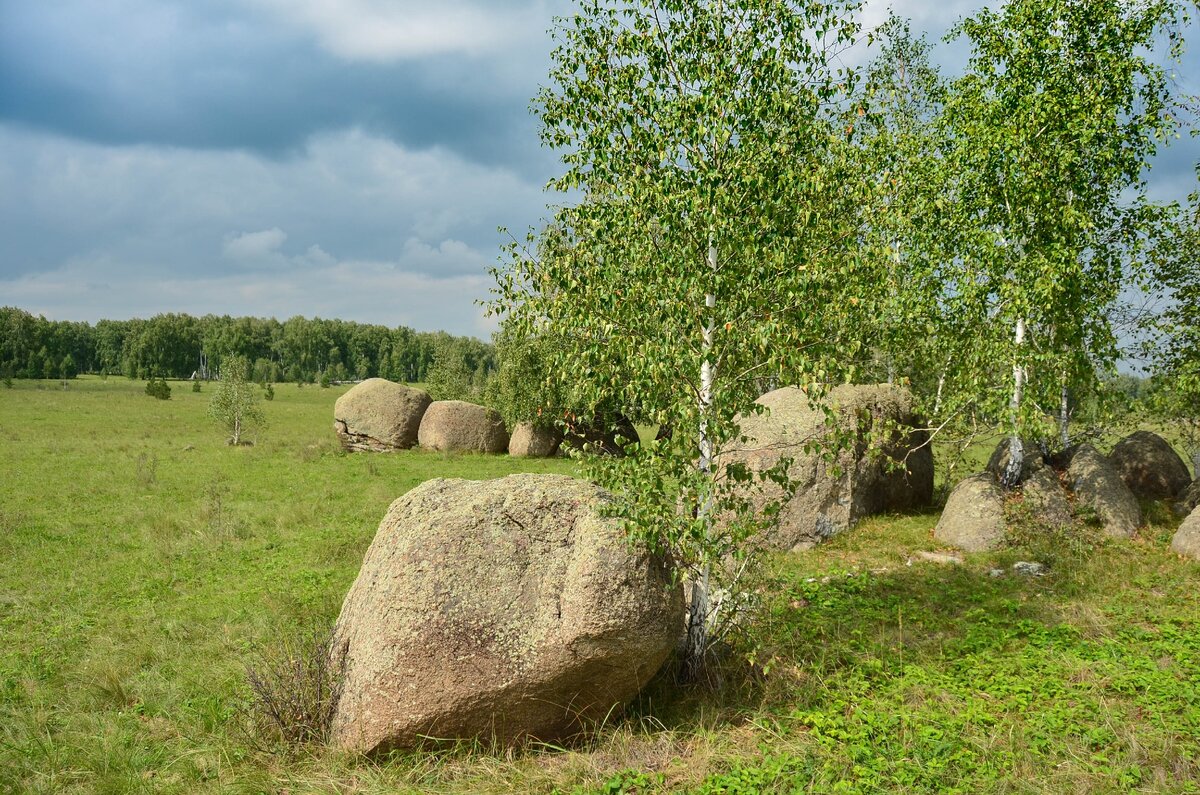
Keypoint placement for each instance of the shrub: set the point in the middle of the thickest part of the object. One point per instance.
(158, 388)
(293, 691)
(196, 386)
(270, 393)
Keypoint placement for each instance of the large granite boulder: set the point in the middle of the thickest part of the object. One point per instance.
(458, 426)
(499, 610)
(1098, 486)
(1187, 538)
(1149, 466)
(973, 519)
(830, 497)
(601, 435)
(531, 441)
(1046, 500)
(379, 415)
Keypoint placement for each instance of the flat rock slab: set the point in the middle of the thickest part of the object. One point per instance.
(973, 519)
(459, 426)
(1098, 486)
(1187, 538)
(497, 610)
(1149, 466)
(379, 415)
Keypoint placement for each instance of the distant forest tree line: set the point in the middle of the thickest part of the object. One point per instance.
(299, 349)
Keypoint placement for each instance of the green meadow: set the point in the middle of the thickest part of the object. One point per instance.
(144, 565)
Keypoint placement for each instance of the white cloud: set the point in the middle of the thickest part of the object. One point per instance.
(365, 291)
(254, 245)
(392, 30)
(355, 227)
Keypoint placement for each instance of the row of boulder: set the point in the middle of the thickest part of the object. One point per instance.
(1078, 483)
(515, 609)
(378, 415)
(882, 465)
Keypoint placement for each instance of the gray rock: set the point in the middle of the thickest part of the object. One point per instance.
(499, 610)
(940, 558)
(603, 435)
(973, 519)
(530, 441)
(1029, 568)
(458, 426)
(1098, 486)
(1189, 499)
(379, 415)
(1149, 466)
(995, 572)
(1046, 500)
(1031, 460)
(1187, 538)
(825, 502)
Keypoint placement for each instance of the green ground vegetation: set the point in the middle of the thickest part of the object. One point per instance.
(144, 564)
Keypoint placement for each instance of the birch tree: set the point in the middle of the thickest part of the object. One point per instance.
(712, 246)
(1053, 126)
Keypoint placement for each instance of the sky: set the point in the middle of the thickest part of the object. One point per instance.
(335, 158)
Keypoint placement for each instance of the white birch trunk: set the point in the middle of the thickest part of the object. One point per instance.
(1016, 453)
(937, 400)
(697, 639)
(1064, 414)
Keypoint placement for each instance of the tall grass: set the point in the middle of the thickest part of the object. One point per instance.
(144, 565)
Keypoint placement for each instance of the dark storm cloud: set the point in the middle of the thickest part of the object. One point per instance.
(216, 75)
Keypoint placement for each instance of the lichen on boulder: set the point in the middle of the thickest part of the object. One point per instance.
(499, 610)
(831, 497)
(459, 426)
(379, 415)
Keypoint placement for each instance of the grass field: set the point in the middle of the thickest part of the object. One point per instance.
(144, 564)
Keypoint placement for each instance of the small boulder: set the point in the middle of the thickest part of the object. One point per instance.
(1098, 486)
(498, 610)
(973, 519)
(1189, 499)
(1149, 466)
(379, 415)
(531, 441)
(1031, 460)
(1187, 538)
(602, 435)
(829, 498)
(1046, 500)
(458, 426)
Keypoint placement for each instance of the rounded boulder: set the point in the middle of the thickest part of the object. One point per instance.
(499, 610)
(973, 519)
(379, 415)
(458, 426)
(1187, 538)
(1149, 466)
(531, 441)
(1098, 486)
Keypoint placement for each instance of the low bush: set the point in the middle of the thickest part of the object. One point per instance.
(158, 388)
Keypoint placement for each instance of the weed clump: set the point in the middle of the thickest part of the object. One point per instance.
(294, 691)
